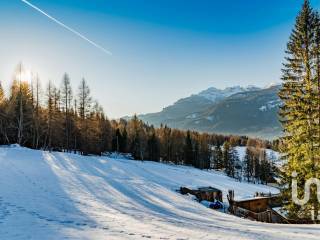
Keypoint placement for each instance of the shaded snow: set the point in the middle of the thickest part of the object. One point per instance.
(210, 118)
(64, 196)
(270, 105)
(193, 115)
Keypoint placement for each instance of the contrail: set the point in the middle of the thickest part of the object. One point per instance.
(66, 27)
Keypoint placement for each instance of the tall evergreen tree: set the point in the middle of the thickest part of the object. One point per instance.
(300, 110)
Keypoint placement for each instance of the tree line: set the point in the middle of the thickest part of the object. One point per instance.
(61, 119)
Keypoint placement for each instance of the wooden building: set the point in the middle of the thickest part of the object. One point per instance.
(204, 193)
(259, 208)
(209, 194)
(257, 204)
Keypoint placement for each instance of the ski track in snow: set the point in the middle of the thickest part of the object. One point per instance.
(65, 196)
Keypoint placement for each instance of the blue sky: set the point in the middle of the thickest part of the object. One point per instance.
(162, 50)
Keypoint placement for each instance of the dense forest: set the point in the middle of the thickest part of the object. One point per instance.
(59, 119)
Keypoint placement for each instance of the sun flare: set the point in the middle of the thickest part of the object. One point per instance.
(25, 75)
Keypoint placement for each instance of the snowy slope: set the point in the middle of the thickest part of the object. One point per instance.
(64, 196)
(270, 153)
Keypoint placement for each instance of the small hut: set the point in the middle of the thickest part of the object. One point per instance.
(204, 193)
(209, 194)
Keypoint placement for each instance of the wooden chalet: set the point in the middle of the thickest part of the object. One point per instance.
(259, 208)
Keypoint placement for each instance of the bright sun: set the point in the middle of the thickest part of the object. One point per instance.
(26, 75)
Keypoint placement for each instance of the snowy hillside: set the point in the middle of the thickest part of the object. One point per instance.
(270, 153)
(64, 196)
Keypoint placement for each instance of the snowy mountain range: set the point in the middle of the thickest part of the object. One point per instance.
(238, 110)
(214, 94)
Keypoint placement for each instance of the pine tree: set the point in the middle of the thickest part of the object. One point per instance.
(136, 135)
(36, 113)
(106, 133)
(20, 106)
(3, 128)
(20, 110)
(204, 155)
(248, 164)
(166, 143)
(177, 144)
(153, 147)
(124, 141)
(217, 159)
(196, 160)
(188, 149)
(84, 108)
(116, 140)
(94, 141)
(66, 98)
(236, 165)
(57, 139)
(2, 97)
(300, 111)
(256, 166)
(266, 169)
(50, 114)
(228, 159)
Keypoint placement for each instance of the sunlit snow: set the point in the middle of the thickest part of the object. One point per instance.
(65, 196)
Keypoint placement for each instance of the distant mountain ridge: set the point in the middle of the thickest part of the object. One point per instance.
(237, 110)
(213, 94)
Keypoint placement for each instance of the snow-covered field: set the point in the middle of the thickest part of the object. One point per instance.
(64, 196)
